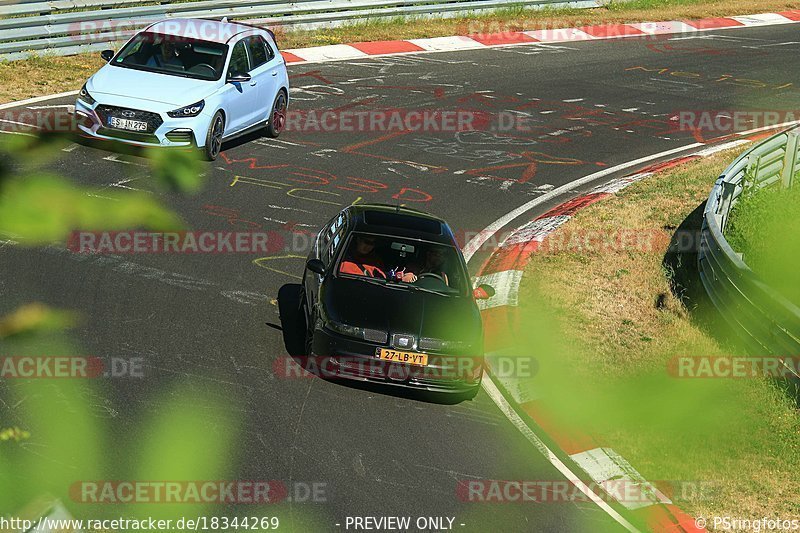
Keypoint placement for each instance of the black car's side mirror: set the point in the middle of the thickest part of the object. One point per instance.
(239, 77)
(483, 292)
(108, 55)
(316, 266)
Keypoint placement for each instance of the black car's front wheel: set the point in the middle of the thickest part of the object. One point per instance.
(277, 117)
(213, 144)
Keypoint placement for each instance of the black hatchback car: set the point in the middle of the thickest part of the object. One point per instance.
(387, 298)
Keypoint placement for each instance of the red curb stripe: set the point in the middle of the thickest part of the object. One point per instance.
(291, 58)
(386, 47)
(572, 206)
(686, 522)
(605, 31)
(762, 135)
(513, 257)
(499, 324)
(570, 442)
(667, 518)
(793, 14)
(713, 22)
(656, 167)
(502, 38)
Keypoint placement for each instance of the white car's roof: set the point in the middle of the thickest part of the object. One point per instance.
(202, 29)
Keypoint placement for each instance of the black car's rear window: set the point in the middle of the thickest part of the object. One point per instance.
(399, 220)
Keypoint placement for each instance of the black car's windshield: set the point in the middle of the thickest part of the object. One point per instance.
(411, 264)
(177, 56)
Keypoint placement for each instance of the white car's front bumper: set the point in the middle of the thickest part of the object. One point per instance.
(163, 130)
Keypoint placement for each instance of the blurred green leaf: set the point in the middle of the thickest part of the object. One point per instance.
(178, 171)
(35, 318)
(189, 438)
(44, 208)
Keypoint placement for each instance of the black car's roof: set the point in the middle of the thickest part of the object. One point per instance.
(399, 221)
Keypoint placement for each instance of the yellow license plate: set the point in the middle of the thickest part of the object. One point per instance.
(410, 358)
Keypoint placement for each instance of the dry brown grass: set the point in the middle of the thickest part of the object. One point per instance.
(46, 75)
(608, 304)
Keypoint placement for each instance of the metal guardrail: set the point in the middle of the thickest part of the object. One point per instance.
(65, 27)
(766, 321)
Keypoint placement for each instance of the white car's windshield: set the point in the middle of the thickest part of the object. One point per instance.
(170, 54)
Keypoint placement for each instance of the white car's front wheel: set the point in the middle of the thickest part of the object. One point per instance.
(216, 129)
(277, 117)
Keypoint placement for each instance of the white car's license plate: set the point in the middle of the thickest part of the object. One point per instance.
(125, 124)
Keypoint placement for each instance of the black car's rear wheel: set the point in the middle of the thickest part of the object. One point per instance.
(309, 324)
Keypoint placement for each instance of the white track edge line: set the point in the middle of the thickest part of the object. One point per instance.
(497, 397)
(36, 99)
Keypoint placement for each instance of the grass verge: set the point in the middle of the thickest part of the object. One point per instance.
(47, 74)
(604, 325)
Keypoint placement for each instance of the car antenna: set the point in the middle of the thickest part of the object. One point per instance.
(224, 20)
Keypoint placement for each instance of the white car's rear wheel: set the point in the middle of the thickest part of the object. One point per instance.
(277, 117)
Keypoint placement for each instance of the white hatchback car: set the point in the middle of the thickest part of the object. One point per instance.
(187, 82)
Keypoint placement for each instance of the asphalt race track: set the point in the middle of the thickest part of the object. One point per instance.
(214, 318)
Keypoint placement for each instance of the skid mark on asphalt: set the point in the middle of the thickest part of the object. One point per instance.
(174, 279)
(293, 447)
(321, 178)
(265, 263)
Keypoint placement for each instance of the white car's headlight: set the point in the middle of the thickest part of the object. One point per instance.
(84, 95)
(188, 111)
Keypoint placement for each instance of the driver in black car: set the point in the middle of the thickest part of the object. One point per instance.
(434, 263)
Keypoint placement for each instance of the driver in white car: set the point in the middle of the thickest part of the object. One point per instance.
(165, 55)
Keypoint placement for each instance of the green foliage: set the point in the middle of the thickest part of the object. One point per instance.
(38, 207)
(43, 208)
(765, 227)
(14, 434)
(179, 171)
(58, 430)
(33, 319)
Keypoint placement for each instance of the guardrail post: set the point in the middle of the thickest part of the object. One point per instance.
(790, 159)
(724, 207)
